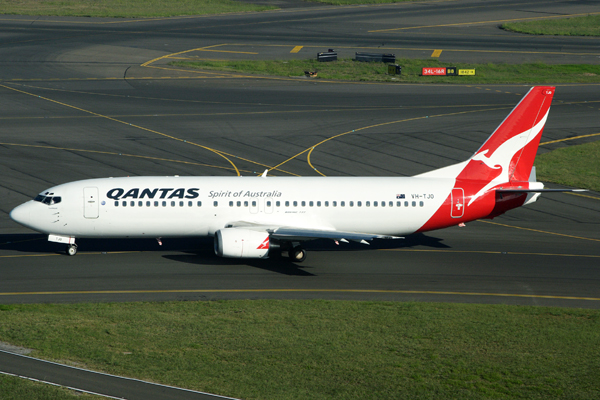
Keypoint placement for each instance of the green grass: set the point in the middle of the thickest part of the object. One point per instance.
(268, 349)
(575, 166)
(125, 8)
(350, 70)
(12, 388)
(578, 26)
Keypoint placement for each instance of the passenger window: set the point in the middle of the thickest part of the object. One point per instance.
(303, 204)
(374, 204)
(326, 204)
(398, 204)
(318, 204)
(368, 203)
(253, 203)
(124, 203)
(406, 204)
(164, 203)
(420, 204)
(140, 203)
(277, 203)
(215, 203)
(342, 203)
(414, 203)
(295, 203)
(239, 204)
(116, 203)
(391, 204)
(231, 204)
(172, 204)
(199, 204)
(359, 203)
(190, 203)
(132, 203)
(383, 204)
(310, 203)
(351, 204)
(287, 203)
(268, 204)
(334, 203)
(245, 204)
(156, 204)
(147, 204)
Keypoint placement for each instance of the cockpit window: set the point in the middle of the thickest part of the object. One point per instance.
(49, 200)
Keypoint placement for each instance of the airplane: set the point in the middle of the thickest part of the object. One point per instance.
(251, 217)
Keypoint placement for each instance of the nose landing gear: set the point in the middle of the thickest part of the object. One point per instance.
(71, 249)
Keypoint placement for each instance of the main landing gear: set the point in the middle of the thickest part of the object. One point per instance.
(297, 254)
(71, 249)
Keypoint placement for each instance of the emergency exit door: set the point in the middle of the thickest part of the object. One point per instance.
(90, 202)
(458, 203)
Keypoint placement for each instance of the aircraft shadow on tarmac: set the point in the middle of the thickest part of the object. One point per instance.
(37, 243)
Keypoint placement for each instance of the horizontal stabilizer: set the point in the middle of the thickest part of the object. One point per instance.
(539, 190)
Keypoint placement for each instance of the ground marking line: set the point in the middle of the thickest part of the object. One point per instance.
(436, 53)
(492, 252)
(539, 231)
(126, 123)
(59, 385)
(485, 22)
(571, 138)
(367, 291)
(118, 154)
(583, 195)
(147, 63)
(296, 49)
(116, 376)
(310, 149)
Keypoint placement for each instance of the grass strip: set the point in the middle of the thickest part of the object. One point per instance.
(350, 70)
(270, 349)
(577, 26)
(575, 166)
(13, 388)
(126, 8)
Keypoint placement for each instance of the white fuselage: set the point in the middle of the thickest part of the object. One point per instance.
(199, 206)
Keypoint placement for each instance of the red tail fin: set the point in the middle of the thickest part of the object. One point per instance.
(514, 143)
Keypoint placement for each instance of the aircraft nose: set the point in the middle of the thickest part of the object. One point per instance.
(21, 214)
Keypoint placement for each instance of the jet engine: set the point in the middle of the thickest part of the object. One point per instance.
(241, 243)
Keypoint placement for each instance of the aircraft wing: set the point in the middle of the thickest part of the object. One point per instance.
(291, 233)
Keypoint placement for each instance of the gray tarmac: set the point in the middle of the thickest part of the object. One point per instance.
(87, 98)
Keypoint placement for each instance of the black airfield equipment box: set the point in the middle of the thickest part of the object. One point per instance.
(375, 57)
(330, 55)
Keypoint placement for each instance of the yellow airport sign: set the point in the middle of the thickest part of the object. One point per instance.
(466, 72)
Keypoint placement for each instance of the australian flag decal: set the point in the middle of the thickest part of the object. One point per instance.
(400, 196)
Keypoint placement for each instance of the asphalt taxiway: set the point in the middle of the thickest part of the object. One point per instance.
(96, 98)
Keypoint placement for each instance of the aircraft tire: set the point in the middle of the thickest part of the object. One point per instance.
(71, 250)
(297, 254)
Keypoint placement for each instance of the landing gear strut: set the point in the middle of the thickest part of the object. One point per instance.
(71, 249)
(297, 254)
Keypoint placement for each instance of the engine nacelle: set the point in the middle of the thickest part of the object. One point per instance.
(241, 243)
